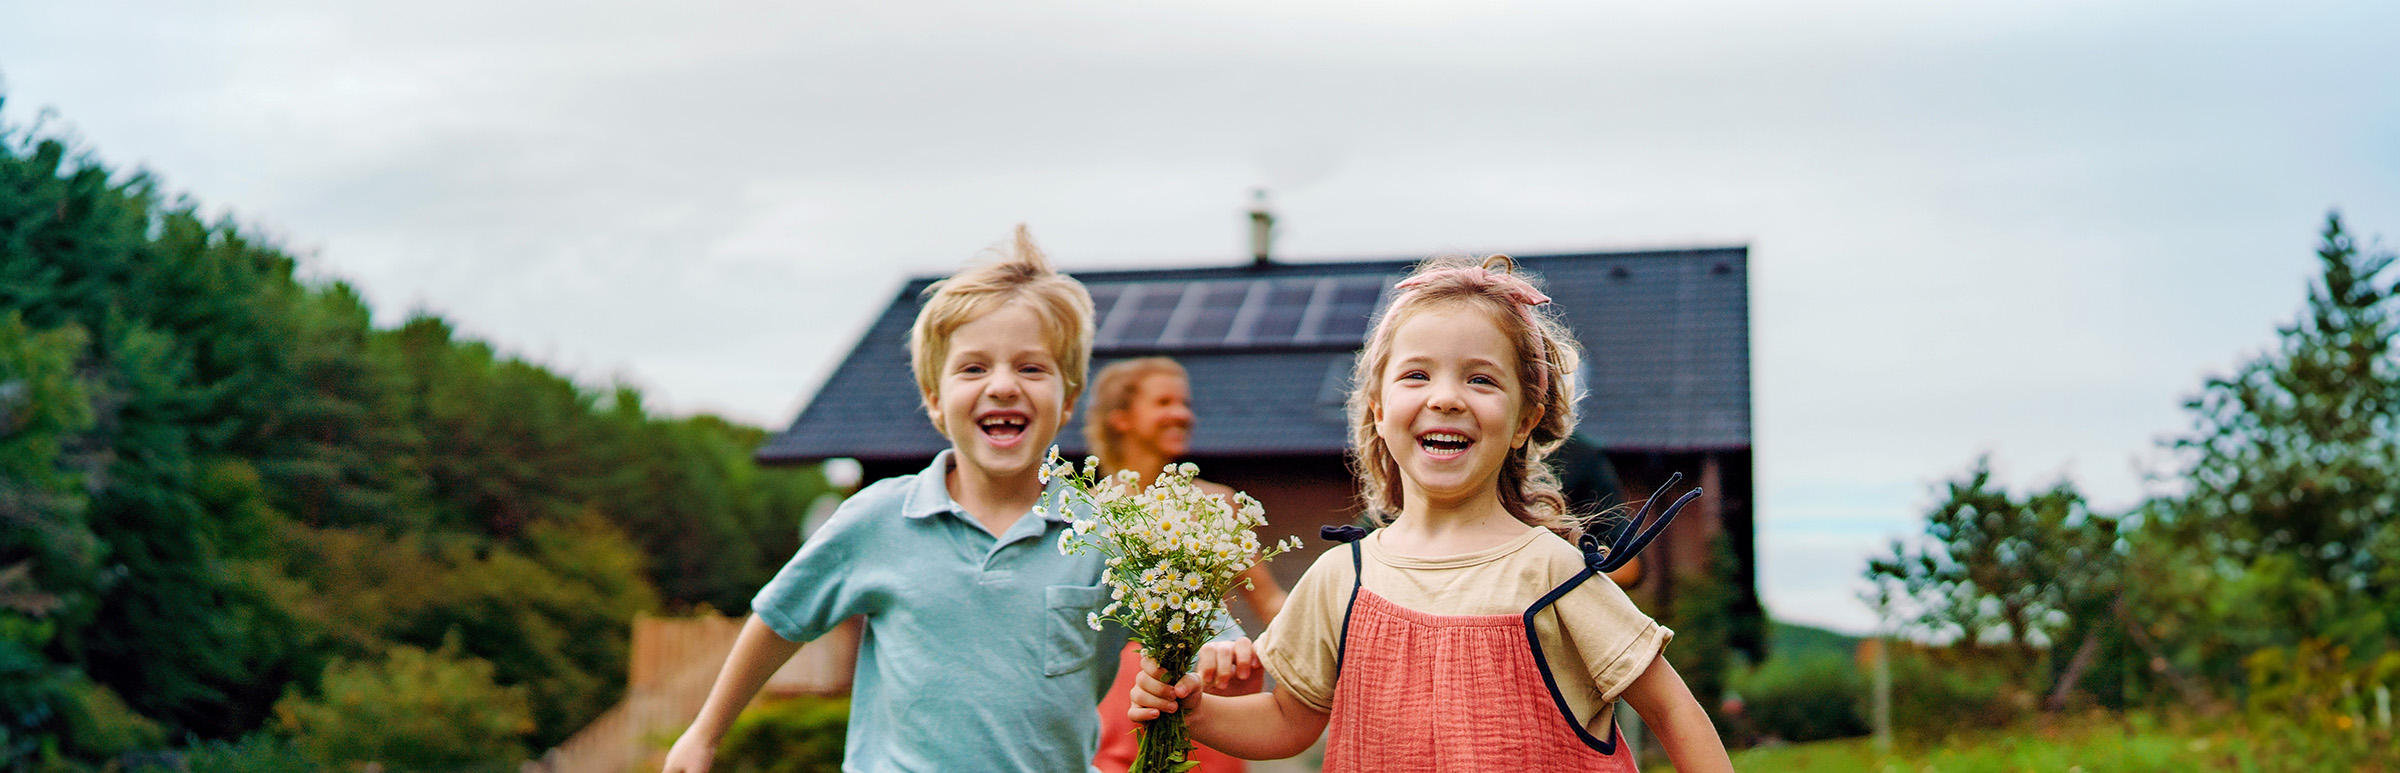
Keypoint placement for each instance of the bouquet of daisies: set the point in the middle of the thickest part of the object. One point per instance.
(1174, 551)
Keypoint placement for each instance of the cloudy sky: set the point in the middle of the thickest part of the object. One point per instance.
(2028, 229)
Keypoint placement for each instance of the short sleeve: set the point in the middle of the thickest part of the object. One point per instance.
(1614, 639)
(1301, 648)
(822, 585)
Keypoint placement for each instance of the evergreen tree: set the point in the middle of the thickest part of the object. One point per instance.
(2286, 529)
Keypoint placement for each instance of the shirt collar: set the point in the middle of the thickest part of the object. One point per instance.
(929, 495)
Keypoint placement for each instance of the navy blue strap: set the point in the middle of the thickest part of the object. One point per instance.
(1357, 572)
(1601, 555)
(1541, 662)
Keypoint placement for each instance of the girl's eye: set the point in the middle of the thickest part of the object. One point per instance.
(1032, 370)
(1484, 380)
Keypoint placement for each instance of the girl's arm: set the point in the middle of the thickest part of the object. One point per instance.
(1258, 726)
(1669, 710)
(756, 654)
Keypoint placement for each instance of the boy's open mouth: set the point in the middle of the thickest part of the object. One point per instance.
(1444, 444)
(1003, 428)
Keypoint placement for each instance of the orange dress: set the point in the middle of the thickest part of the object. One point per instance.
(1419, 691)
(1118, 740)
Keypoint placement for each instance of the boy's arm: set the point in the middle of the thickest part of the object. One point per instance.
(1683, 728)
(756, 654)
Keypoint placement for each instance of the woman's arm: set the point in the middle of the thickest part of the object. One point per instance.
(1264, 594)
(755, 656)
(1683, 728)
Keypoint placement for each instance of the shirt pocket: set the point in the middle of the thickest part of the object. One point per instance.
(1071, 638)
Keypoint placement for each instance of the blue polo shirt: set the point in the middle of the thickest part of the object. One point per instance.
(976, 654)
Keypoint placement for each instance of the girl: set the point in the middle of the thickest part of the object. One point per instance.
(1141, 420)
(1436, 642)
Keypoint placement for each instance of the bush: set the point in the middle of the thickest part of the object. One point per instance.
(413, 710)
(1809, 697)
(793, 736)
(254, 753)
(2321, 703)
(1936, 692)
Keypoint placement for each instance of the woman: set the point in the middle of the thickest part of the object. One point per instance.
(1141, 420)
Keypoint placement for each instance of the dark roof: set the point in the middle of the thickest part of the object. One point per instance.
(1666, 334)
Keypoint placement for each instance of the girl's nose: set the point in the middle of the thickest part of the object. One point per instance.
(1445, 397)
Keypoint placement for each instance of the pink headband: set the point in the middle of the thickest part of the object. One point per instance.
(1511, 285)
(1515, 288)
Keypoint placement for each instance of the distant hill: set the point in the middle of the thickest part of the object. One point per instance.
(1787, 640)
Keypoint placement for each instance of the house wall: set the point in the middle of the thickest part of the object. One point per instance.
(1303, 493)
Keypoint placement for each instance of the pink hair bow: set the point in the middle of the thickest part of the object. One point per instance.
(1517, 289)
(1511, 285)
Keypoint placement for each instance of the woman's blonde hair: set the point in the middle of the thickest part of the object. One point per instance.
(1022, 273)
(1112, 391)
(1546, 366)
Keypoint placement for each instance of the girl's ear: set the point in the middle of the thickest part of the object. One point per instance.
(1532, 419)
(1119, 421)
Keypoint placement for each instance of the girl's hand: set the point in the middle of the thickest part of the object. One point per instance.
(1221, 667)
(1152, 695)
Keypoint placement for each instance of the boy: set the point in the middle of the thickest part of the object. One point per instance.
(976, 653)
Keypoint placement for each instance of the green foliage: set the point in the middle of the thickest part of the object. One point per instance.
(1704, 621)
(552, 614)
(1996, 568)
(2323, 705)
(254, 753)
(1805, 697)
(800, 735)
(2284, 530)
(1936, 692)
(216, 479)
(411, 710)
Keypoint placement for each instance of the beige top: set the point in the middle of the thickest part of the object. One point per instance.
(1607, 641)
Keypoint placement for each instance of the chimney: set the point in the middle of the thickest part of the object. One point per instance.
(1262, 228)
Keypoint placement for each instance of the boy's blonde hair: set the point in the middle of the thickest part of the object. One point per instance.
(1021, 274)
(1546, 366)
(1112, 391)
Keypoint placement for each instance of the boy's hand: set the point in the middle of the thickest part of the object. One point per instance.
(1230, 668)
(1223, 668)
(691, 754)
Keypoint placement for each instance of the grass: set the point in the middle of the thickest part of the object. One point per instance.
(2091, 743)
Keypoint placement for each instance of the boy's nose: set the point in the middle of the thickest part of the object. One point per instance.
(1003, 384)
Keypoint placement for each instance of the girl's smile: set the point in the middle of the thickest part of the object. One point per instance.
(1449, 406)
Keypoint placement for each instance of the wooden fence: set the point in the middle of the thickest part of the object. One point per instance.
(674, 663)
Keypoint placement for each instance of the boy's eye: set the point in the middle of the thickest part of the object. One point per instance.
(1414, 375)
(971, 369)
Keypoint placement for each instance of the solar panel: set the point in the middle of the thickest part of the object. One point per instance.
(1279, 313)
(1234, 313)
(1207, 312)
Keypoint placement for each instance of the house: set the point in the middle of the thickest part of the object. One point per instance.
(1270, 345)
